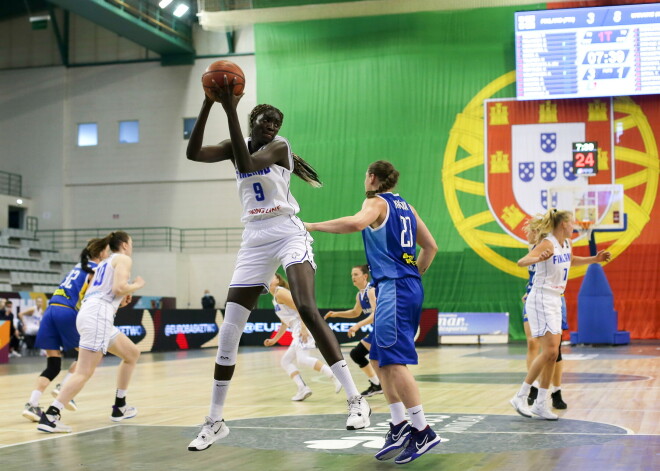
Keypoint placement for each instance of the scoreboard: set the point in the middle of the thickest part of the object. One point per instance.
(588, 52)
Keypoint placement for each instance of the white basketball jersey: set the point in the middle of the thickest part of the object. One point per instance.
(101, 285)
(31, 323)
(289, 316)
(552, 274)
(266, 193)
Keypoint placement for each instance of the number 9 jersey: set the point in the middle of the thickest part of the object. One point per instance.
(391, 248)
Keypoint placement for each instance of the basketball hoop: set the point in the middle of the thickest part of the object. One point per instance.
(585, 226)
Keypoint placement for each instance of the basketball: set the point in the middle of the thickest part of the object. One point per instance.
(217, 71)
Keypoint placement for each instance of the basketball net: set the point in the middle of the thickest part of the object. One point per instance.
(586, 227)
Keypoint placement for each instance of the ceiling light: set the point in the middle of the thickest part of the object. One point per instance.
(164, 3)
(180, 10)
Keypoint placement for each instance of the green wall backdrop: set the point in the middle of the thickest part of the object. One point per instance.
(357, 90)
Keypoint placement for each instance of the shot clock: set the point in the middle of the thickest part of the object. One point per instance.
(585, 158)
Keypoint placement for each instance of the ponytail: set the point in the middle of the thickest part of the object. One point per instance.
(546, 223)
(305, 171)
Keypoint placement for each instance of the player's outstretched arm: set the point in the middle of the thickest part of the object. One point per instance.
(602, 256)
(372, 208)
(350, 313)
(278, 336)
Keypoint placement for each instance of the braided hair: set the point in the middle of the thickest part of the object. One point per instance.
(300, 167)
(386, 174)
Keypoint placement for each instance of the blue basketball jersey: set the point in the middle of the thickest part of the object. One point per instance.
(392, 247)
(364, 300)
(73, 287)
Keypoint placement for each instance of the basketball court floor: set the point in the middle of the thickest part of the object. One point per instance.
(612, 420)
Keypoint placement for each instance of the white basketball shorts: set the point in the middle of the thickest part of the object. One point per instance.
(267, 244)
(95, 324)
(543, 312)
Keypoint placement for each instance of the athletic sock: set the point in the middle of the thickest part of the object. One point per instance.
(343, 374)
(325, 369)
(218, 396)
(556, 388)
(34, 398)
(536, 384)
(120, 399)
(299, 381)
(524, 389)
(417, 417)
(541, 398)
(374, 380)
(398, 412)
(66, 378)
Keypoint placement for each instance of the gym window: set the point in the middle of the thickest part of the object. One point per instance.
(188, 125)
(88, 134)
(129, 132)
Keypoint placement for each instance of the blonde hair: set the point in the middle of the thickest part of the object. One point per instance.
(544, 224)
(281, 281)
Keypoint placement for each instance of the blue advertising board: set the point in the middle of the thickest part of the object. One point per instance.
(473, 323)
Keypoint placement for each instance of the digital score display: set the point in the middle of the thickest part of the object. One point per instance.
(588, 52)
(585, 158)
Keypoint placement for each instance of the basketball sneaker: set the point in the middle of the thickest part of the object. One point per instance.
(121, 413)
(32, 413)
(71, 405)
(50, 422)
(419, 442)
(533, 393)
(372, 390)
(557, 401)
(302, 394)
(358, 413)
(395, 439)
(518, 403)
(211, 432)
(540, 409)
(337, 384)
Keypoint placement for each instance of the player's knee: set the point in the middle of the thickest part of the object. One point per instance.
(359, 355)
(53, 368)
(228, 340)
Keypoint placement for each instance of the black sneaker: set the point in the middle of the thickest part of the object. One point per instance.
(557, 401)
(533, 393)
(372, 390)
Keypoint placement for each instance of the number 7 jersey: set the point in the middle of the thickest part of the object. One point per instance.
(552, 274)
(391, 248)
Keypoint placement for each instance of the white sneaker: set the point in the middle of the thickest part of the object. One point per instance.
(358, 413)
(52, 424)
(302, 394)
(14, 354)
(338, 385)
(121, 413)
(71, 405)
(540, 409)
(211, 431)
(519, 403)
(32, 413)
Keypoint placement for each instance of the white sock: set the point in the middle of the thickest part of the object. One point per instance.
(398, 412)
(218, 396)
(524, 389)
(417, 417)
(543, 395)
(121, 393)
(343, 374)
(299, 381)
(325, 369)
(536, 384)
(556, 388)
(374, 380)
(58, 405)
(68, 375)
(34, 398)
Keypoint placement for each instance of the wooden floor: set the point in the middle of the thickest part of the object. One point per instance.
(612, 421)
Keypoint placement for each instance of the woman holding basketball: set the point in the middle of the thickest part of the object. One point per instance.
(273, 236)
(365, 302)
(553, 257)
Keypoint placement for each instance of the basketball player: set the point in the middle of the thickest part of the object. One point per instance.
(31, 319)
(302, 342)
(391, 230)
(363, 304)
(58, 332)
(553, 258)
(109, 289)
(533, 346)
(273, 236)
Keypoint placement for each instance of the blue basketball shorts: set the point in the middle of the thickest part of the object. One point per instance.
(398, 312)
(58, 329)
(369, 338)
(564, 318)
